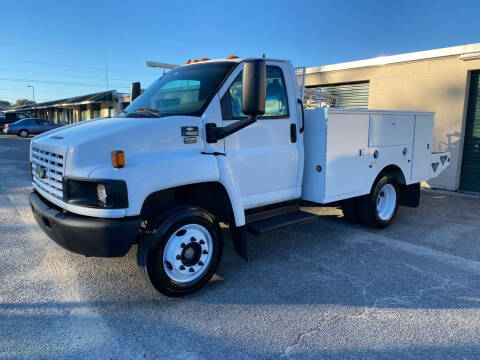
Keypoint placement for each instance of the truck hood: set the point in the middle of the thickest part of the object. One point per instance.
(71, 135)
(88, 145)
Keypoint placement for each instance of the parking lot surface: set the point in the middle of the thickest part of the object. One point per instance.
(326, 289)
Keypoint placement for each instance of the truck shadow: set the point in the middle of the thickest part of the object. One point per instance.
(325, 262)
(421, 261)
(137, 330)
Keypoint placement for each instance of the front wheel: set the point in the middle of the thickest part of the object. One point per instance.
(379, 208)
(180, 252)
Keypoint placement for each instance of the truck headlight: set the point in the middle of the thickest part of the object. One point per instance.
(107, 194)
(102, 194)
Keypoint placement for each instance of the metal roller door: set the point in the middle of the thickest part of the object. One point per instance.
(470, 175)
(350, 96)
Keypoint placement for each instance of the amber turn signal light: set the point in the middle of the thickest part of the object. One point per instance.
(118, 159)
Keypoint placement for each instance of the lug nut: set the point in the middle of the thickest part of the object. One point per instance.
(178, 257)
(204, 252)
(200, 263)
(182, 245)
(192, 239)
(182, 267)
(202, 242)
(191, 270)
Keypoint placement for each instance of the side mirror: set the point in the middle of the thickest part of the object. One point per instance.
(135, 91)
(254, 87)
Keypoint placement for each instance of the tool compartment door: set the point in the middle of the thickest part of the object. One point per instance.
(346, 156)
(391, 129)
(422, 147)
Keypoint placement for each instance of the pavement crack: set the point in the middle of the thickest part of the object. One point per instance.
(298, 341)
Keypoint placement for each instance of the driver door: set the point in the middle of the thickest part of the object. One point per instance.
(264, 157)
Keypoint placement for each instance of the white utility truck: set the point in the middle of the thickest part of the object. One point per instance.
(221, 141)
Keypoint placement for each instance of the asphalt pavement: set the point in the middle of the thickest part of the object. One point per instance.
(326, 289)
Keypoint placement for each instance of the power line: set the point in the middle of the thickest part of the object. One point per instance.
(70, 66)
(61, 83)
(63, 74)
(43, 49)
(19, 97)
(23, 90)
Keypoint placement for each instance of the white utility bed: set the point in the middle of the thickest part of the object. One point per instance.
(345, 150)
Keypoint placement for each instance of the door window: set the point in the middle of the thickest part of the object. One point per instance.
(276, 104)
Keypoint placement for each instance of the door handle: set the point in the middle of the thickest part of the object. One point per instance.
(293, 133)
(299, 101)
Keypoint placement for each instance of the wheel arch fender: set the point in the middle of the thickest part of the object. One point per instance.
(409, 194)
(394, 171)
(211, 196)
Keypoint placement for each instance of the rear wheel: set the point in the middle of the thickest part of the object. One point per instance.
(379, 208)
(23, 133)
(181, 252)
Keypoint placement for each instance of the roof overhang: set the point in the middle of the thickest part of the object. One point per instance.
(109, 95)
(463, 52)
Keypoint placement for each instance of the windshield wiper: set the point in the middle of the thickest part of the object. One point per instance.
(147, 110)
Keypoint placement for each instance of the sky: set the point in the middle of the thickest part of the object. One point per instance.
(67, 48)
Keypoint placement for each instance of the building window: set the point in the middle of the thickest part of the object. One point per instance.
(349, 96)
(110, 111)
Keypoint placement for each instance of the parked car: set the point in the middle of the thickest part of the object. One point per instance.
(11, 117)
(29, 126)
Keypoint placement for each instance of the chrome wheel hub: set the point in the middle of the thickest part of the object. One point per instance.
(188, 253)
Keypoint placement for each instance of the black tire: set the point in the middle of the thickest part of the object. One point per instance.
(23, 133)
(152, 245)
(350, 210)
(367, 205)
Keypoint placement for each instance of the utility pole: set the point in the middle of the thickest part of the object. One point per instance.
(106, 70)
(33, 92)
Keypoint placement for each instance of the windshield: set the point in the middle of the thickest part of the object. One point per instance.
(183, 91)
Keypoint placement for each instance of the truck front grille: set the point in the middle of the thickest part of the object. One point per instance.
(49, 176)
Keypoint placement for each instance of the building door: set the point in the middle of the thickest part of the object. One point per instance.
(470, 175)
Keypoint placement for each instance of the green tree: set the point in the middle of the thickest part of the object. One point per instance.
(4, 104)
(22, 102)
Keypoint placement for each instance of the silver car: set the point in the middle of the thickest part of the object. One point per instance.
(29, 126)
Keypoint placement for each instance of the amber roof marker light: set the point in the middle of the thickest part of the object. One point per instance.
(118, 159)
(232, 57)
